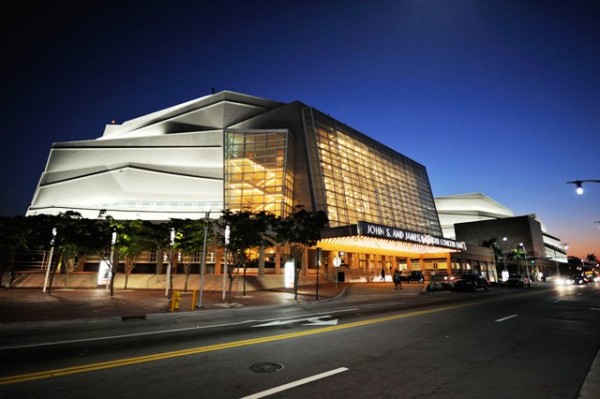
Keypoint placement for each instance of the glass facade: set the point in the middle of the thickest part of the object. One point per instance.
(357, 179)
(258, 171)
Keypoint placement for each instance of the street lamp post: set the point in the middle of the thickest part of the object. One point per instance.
(579, 184)
(172, 242)
(203, 266)
(504, 255)
(227, 235)
(113, 241)
(525, 256)
(50, 259)
(556, 260)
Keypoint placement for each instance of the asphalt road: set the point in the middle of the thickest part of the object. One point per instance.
(521, 343)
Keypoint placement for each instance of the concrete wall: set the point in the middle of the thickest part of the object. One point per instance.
(152, 281)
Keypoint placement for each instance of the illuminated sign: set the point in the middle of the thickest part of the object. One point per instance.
(393, 233)
(289, 274)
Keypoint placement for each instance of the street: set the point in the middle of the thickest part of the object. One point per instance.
(504, 343)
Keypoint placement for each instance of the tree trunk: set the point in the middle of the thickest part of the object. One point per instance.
(114, 263)
(160, 254)
(244, 284)
(261, 261)
(298, 255)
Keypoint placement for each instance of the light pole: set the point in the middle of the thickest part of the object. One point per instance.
(227, 233)
(50, 258)
(525, 256)
(504, 257)
(203, 266)
(113, 241)
(504, 254)
(579, 184)
(172, 241)
(556, 261)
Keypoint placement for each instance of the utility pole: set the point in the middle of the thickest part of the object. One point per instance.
(203, 266)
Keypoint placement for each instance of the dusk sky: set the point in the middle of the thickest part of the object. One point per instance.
(498, 97)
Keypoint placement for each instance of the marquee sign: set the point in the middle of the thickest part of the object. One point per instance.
(393, 233)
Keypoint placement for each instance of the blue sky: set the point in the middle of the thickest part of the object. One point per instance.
(499, 97)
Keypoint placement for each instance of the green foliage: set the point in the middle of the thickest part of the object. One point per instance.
(189, 234)
(247, 230)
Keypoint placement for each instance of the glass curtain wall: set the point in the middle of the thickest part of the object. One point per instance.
(362, 180)
(258, 171)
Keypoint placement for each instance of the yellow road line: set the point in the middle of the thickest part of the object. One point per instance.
(210, 348)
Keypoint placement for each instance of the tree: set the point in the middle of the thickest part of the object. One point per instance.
(248, 230)
(70, 236)
(495, 247)
(592, 258)
(134, 237)
(189, 238)
(301, 230)
(13, 238)
(517, 254)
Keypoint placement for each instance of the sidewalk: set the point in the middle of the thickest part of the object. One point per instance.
(33, 305)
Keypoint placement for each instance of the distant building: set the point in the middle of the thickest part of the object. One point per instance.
(470, 207)
(478, 220)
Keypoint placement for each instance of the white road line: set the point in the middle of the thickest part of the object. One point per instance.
(159, 332)
(294, 384)
(594, 308)
(506, 318)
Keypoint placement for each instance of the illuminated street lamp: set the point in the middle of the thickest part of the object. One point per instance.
(565, 247)
(504, 239)
(579, 184)
(525, 256)
(504, 256)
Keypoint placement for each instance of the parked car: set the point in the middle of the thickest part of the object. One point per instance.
(579, 280)
(518, 281)
(415, 276)
(440, 282)
(471, 282)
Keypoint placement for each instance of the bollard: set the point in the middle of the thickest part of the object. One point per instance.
(175, 299)
(194, 296)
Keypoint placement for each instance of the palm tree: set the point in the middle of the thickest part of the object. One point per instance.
(495, 247)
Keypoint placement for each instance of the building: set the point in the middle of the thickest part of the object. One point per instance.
(232, 151)
(471, 207)
(478, 220)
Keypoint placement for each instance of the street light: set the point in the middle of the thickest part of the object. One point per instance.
(565, 246)
(227, 238)
(504, 239)
(50, 258)
(113, 241)
(171, 243)
(203, 266)
(525, 256)
(504, 256)
(579, 184)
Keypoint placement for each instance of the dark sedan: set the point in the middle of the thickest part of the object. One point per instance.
(415, 276)
(518, 281)
(471, 282)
